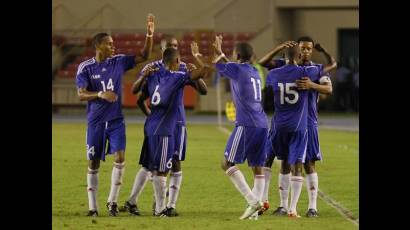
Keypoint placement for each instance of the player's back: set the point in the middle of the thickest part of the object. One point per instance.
(162, 88)
(290, 103)
(246, 93)
(180, 94)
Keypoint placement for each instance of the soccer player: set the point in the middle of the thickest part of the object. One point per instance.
(288, 133)
(158, 148)
(180, 134)
(322, 86)
(249, 136)
(99, 82)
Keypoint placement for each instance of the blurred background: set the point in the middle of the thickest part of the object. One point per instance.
(263, 23)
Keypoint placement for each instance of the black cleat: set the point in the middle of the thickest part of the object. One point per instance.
(280, 211)
(112, 209)
(131, 208)
(93, 213)
(163, 213)
(171, 212)
(312, 213)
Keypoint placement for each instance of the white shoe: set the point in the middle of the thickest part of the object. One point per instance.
(254, 216)
(251, 209)
(293, 214)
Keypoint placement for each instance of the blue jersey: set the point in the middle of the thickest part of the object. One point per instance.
(104, 76)
(290, 104)
(313, 97)
(246, 93)
(162, 87)
(179, 96)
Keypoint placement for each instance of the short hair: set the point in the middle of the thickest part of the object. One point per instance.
(306, 39)
(292, 53)
(169, 55)
(244, 50)
(166, 39)
(97, 39)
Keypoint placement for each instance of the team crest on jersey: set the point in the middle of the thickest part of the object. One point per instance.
(97, 76)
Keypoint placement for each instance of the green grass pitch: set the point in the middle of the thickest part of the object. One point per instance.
(208, 200)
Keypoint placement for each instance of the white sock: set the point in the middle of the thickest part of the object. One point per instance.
(284, 182)
(160, 189)
(139, 184)
(258, 186)
(312, 186)
(92, 187)
(175, 180)
(239, 181)
(268, 174)
(116, 181)
(296, 183)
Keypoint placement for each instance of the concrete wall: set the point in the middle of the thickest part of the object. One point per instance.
(131, 14)
(322, 25)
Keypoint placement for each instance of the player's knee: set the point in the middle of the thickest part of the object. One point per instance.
(269, 162)
(225, 165)
(176, 166)
(297, 169)
(285, 168)
(94, 164)
(119, 157)
(309, 167)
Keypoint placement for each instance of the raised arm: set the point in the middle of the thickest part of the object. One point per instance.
(149, 41)
(331, 62)
(199, 85)
(265, 61)
(219, 56)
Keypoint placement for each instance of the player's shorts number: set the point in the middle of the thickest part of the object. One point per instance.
(257, 88)
(169, 163)
(156, 98)
(286, 89)
(110, 86)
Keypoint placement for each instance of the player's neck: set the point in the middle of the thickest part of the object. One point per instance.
(99, 57)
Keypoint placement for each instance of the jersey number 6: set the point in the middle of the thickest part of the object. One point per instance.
(156, 98)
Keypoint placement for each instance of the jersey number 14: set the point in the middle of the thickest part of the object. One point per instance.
(110, 86)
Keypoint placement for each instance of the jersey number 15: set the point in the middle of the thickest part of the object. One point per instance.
(286, 89)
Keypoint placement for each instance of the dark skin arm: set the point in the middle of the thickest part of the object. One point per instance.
(265, 61)
(331, 62)
(217, 45)
(305, 84)
(86, 95)
(136, 87)
(149, 41)
(141, 103)
(199, 85)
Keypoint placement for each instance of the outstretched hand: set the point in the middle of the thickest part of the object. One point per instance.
(217, 44)
(195, 49)
(150, 24)
(149, 70)
(319, 48)
(191, 67)
(287, 44)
